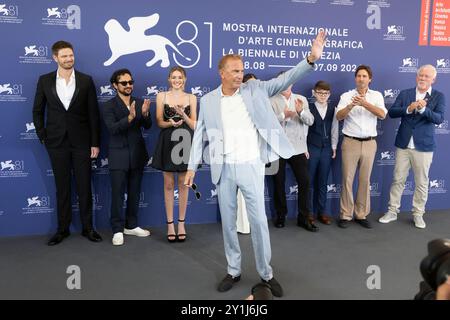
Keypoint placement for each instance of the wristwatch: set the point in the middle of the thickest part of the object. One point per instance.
(310, 63)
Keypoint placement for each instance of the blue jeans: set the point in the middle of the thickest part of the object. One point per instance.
(319, 166)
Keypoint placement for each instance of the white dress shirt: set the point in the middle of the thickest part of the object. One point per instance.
(419, 96)
(65, 90)
(361, 123)
(240, 137)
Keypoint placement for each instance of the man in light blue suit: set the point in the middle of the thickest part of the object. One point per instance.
(420, 109)
(244, 134)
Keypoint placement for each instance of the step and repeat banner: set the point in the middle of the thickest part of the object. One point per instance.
(394, 37)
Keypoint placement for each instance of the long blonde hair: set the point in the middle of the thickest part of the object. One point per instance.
(179, 69)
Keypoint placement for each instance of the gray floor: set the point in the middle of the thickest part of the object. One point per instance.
(330, 264)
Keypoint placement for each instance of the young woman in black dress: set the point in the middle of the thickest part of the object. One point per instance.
(176, 114)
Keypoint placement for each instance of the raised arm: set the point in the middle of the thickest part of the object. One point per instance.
(280, 83)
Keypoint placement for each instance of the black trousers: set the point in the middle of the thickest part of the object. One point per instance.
(122, 180)
(65, 158)
(299, 165)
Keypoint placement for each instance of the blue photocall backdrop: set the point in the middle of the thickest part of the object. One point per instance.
(150, 36)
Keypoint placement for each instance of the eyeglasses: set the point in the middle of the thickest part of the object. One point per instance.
(322, 93)
(194, 188)
(124, 83)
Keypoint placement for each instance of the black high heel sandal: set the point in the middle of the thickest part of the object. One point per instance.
(171, 237)
(181, 236)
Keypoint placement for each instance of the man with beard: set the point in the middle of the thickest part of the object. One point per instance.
(420, 109)
(71, 134)
(124, 115)
(360, 110)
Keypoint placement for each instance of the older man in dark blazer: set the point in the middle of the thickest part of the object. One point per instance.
(124, 117)
(71, 134)
(420, 109)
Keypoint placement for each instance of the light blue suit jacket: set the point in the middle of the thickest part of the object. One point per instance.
(256, 94)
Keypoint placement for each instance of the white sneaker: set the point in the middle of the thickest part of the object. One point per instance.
(419, 223)
(388, 217)
(138, 232)
(117, 239)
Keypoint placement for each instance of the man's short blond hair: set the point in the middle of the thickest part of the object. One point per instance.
(227, 57)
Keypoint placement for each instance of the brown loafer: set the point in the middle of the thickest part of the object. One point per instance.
(324, 219)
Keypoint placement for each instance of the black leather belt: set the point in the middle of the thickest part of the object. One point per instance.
(360, 139)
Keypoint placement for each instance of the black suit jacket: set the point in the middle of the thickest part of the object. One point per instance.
(126, 144)
(80, 122)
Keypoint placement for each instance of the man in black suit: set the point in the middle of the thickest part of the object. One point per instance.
(71, 134)
(124, 117)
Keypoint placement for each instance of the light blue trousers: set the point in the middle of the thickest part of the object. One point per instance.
(249, 177)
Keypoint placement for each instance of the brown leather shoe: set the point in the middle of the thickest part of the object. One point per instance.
(324, 219)
(307, 223)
